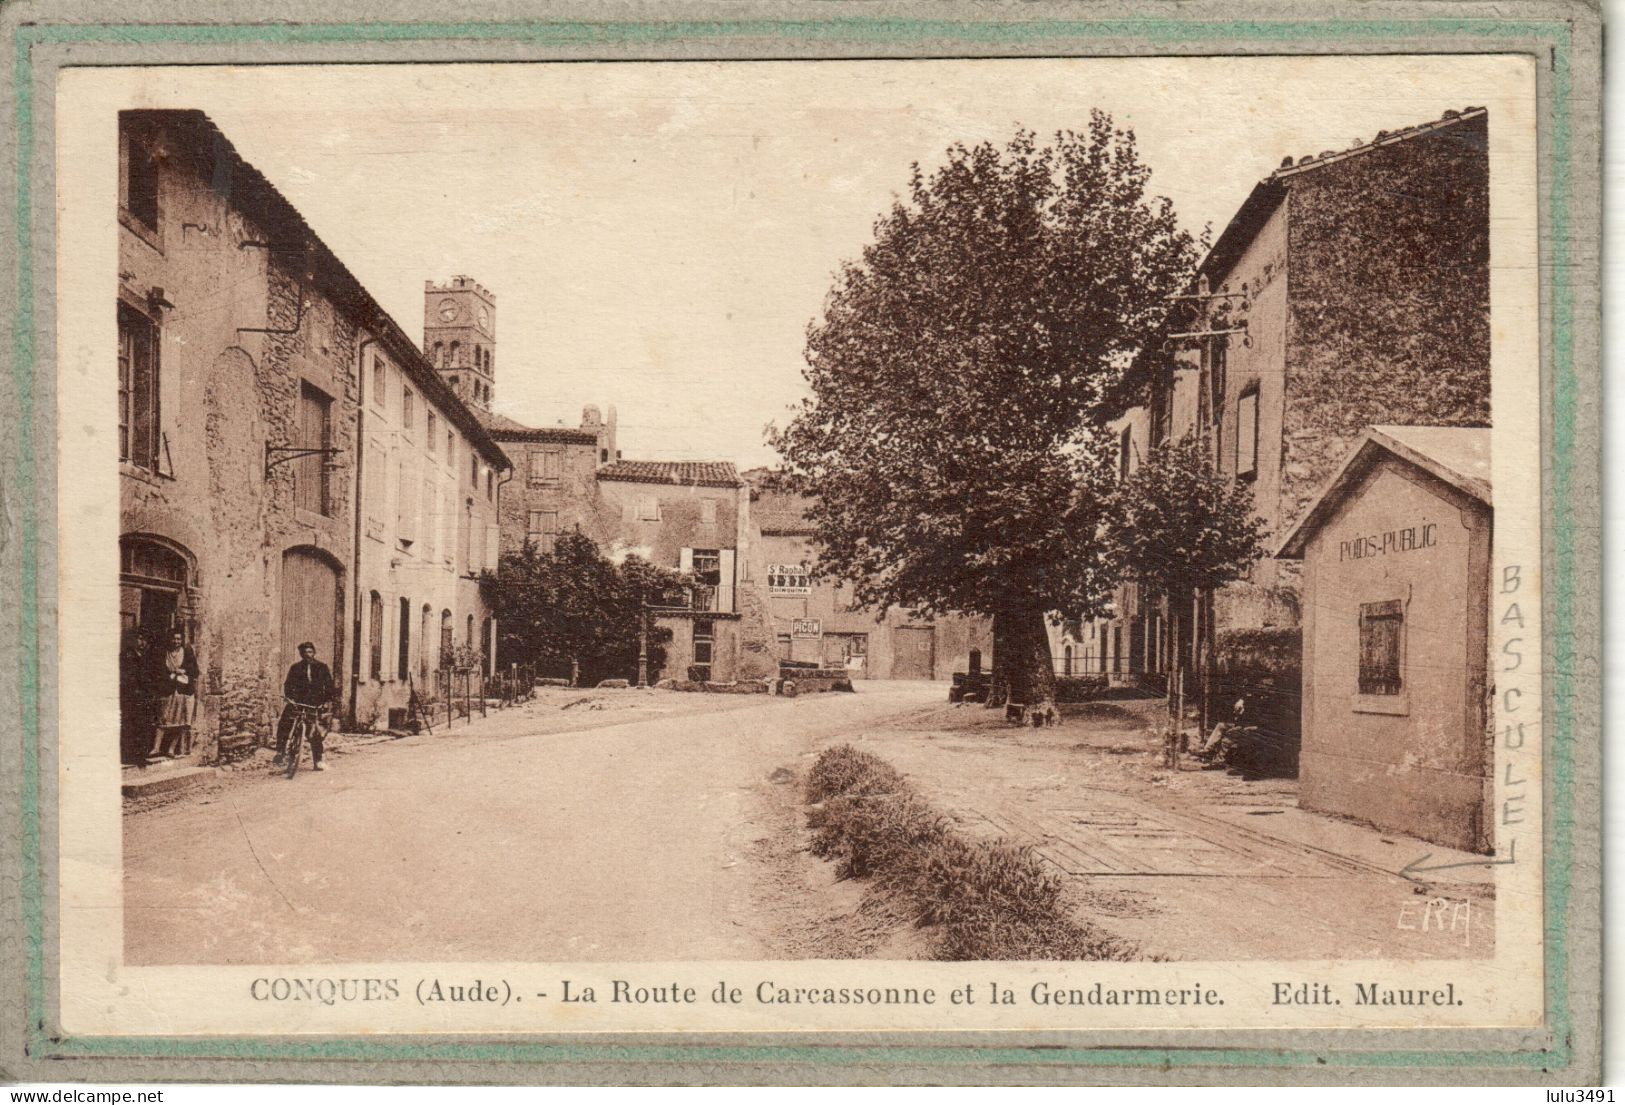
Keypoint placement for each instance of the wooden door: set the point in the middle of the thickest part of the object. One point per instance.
(913, 648)
(310, 607)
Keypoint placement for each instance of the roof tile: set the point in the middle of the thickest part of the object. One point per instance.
(702, 473)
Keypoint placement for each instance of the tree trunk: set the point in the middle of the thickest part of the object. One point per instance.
(1021, 646)
(998, 692)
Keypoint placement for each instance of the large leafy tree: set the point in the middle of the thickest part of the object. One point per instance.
(1180, 528)
(952, 438)
(574, 604)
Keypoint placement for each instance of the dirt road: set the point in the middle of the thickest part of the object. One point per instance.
(1188, 865)
(506, 840)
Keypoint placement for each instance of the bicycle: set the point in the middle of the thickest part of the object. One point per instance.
(305, 719)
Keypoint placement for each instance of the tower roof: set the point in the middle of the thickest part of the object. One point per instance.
(460, 284)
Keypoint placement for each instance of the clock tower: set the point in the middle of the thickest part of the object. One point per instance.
(459, 338)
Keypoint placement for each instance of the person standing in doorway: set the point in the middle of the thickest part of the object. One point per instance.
(176, 683)
(309, 684)
(135, 699)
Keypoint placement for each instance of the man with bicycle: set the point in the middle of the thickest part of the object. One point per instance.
(308, 687)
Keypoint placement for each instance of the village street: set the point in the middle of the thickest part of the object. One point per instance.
(625, 825)
(538, 833)
(1190, 864)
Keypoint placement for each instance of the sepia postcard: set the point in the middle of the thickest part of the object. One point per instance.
(834, 544)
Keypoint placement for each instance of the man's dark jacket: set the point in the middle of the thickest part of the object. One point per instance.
(309, 683)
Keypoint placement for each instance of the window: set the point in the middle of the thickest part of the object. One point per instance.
(454, 381)
(491, 484)
(137, 388)
(1161, 417)
(708, 511)
(451, 447)
(434, 425)
(405, 504)
(445, 639)
(138, 181)
(469, 637)
(704, 643)
(379, 383)
(430, 505)
(454, 349)
(404, 657)
(1125, 446)
(406, 409)
(708, 566)
(542, 529)
(1247, 435)
(1382, 648)
(649, 509)
(375, 635)
(376, 492)
(544, 466)
(474, 470)
(440, 355)
(310, 491)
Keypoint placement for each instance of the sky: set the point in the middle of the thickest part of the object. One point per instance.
(660, 235)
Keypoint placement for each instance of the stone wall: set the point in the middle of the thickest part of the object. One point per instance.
(225, 394)
(1389, 299)
(573, 496)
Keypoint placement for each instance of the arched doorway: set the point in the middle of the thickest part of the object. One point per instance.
(156, 586)
(312, 606)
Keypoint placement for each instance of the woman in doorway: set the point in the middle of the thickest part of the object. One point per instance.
(176, 678)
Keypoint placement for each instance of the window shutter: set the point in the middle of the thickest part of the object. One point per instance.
(725, 588)
(685, 560)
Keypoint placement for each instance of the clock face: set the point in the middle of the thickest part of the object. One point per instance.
(448, 310)
(485, 317)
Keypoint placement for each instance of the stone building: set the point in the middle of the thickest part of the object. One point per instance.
(429, 526)
(693, 516)
(554, 488)
(812, 619)
(735, 539)
(1351, 288)
(689, 516)
(1396, 557)
(241, 343)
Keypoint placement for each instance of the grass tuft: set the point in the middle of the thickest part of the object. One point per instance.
(990, 901)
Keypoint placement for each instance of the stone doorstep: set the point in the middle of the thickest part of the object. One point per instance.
(139, 782)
